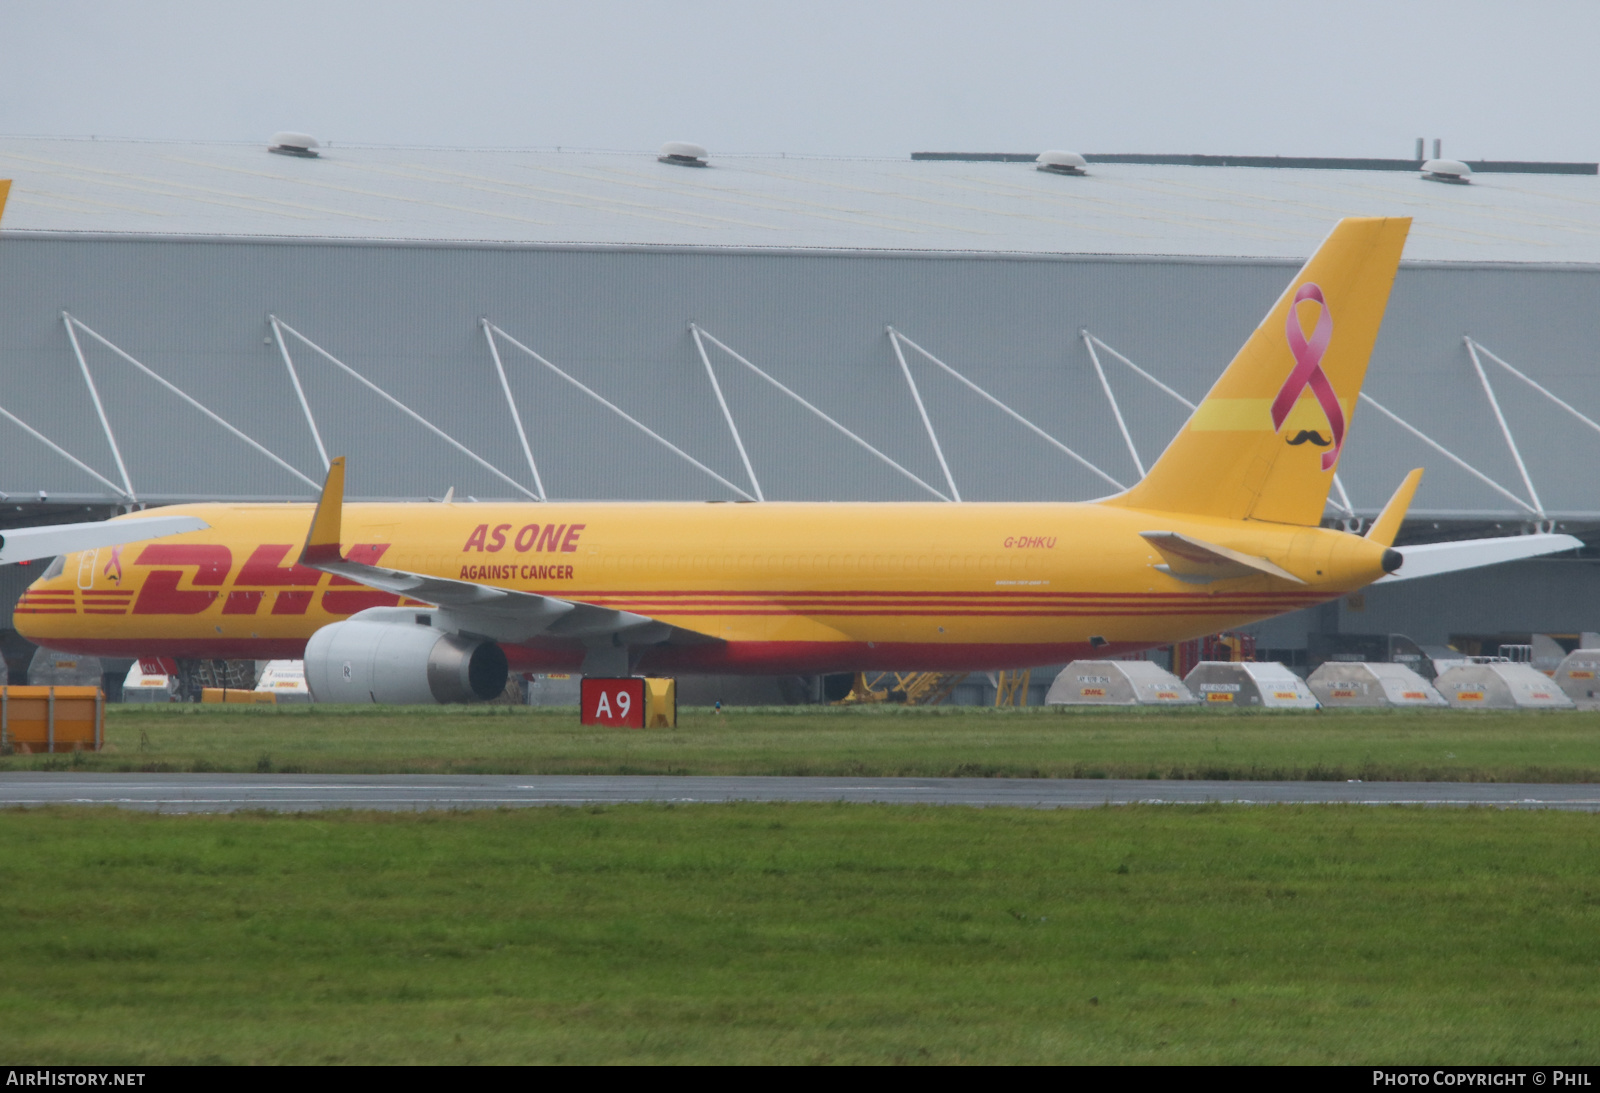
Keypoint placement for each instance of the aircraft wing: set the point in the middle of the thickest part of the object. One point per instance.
(504, 614)
(501, 614)
(1432, 559)
(49, 540)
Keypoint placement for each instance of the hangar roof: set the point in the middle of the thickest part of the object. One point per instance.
(618, 198)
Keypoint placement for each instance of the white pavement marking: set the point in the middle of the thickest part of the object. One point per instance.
(224, 793)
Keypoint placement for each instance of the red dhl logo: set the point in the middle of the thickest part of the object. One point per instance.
(1092, 692)
(1218, 696)
(1285, 694)
(1167, 694)
(294, 584)
(292, 587)
(1578, 673)
(1469, 696)
(1416, 696)
(1339, 694)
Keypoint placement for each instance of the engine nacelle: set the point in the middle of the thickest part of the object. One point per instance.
(398, 663)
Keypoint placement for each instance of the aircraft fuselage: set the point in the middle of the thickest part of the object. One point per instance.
(776, 587)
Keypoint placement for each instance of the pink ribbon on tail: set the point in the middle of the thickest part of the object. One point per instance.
(1308, 371)
(115, 564)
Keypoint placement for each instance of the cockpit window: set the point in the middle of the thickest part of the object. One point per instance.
(57, 567)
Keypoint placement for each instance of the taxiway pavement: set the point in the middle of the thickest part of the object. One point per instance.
(310, 792)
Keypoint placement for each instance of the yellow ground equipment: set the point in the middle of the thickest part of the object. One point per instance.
(912, 688)
(52, 719)
(1011, 687)
(236, 696)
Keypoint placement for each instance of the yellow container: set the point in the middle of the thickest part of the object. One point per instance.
(52, 719)
(660, 703)
(237, 696)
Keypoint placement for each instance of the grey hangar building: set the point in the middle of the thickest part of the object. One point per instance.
(184, 322)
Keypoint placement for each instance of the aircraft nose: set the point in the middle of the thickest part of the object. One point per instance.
(1392, 560)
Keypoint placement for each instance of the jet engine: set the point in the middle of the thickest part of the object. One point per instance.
(396, 663)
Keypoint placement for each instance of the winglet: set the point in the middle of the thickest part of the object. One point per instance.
(1387, 525)
(322, 544)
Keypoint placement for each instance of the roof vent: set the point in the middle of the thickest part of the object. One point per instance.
(682, 153)
(294, 144)
(1447, 170)
(1062, 163)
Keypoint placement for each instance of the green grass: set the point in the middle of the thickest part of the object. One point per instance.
(1372, 745)
(802, 933)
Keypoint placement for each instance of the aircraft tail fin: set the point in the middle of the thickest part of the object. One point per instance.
(1264, 443)
(5, 192)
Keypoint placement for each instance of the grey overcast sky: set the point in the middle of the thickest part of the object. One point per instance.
(1502, 80)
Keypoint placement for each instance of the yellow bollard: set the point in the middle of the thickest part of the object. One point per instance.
(660, 703)
(234, 696)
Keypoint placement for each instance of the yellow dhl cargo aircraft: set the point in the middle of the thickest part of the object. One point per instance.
(429, 602)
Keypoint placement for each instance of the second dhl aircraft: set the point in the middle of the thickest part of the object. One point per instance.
(434, 602)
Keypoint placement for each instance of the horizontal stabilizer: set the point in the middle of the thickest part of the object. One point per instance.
(28, 544)
(1432, 559)
(1199, 562)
